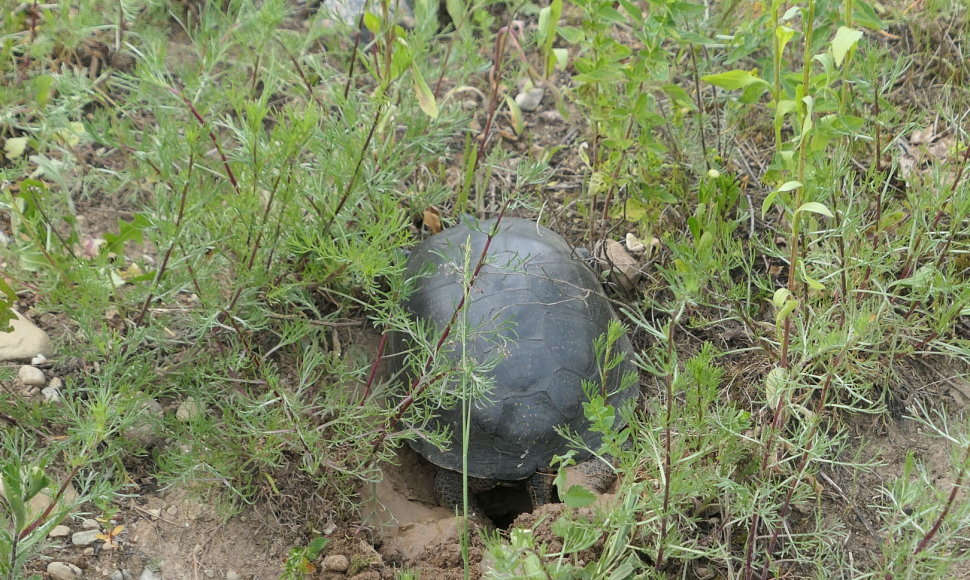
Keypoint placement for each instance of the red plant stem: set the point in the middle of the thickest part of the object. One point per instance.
(160, 273)
(668, 436)
(50, 507)
(356, 174)
(803, 463)
(957, 486)
(494, 77)
(373, 369)
(212, 137)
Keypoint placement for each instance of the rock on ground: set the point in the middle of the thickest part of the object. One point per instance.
(25, 342)
(63, 571)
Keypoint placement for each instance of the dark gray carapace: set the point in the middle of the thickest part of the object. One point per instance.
(535, 308)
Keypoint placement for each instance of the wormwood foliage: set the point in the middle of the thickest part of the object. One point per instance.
(261, 168)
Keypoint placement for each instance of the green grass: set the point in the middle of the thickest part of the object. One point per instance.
(265, 179)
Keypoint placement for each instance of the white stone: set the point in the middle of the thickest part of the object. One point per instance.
(38, 360)
(90, 524)
(61, 531)
(56, 383)
(624, 268)
(31, 376)
(634, 244)
(530, 99)
(63, 571)
(551, 116)
(336, 563)
(51, 395)
(149, 574)
(85, 538)
(188, 410)
(25, 342)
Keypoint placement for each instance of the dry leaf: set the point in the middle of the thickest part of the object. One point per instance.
(432, 219)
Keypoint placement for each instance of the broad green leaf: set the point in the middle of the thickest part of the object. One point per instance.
(770, 198)
(578, 496)
(425, 97)
(606, 73)
(680, 96)
(733, 80)
(845, 39)
(768, 202)
(372, 23)
(864, 15)
(572, 35)
(785, 311)
(814, 207)
(752, 93)
(776, 384)
(562, 57)
(518, 123)
(456, 10)
(783, 34)
(783, 108)
(780, 297)
(791, 13)
(636, 210)
(812, 282)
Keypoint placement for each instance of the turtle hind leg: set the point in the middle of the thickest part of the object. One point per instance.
(593, 474)
(448, 492)
(541, 488)
(596, 474)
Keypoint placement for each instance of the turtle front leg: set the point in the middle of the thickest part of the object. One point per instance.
(448, 492)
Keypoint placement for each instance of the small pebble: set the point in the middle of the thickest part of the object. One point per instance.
(60, 532)
(155, 513)
(634, 244)
(530, 99)
(51, 395)
(90, 524)
(31, 376)
(38, 360)
(56, 383)
(63, 571)
(85, 538)
(121, 574)
(188, 410)
(149, 574)
(550, 116)
(336, 563)
(233, 575)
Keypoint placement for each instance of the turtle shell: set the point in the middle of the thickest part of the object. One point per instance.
(537, 310)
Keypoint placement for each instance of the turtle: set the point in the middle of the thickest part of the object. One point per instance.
(534, 309)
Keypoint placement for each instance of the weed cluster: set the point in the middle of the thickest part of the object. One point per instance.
(215, 200)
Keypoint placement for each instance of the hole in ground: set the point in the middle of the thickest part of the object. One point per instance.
(503, 503)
